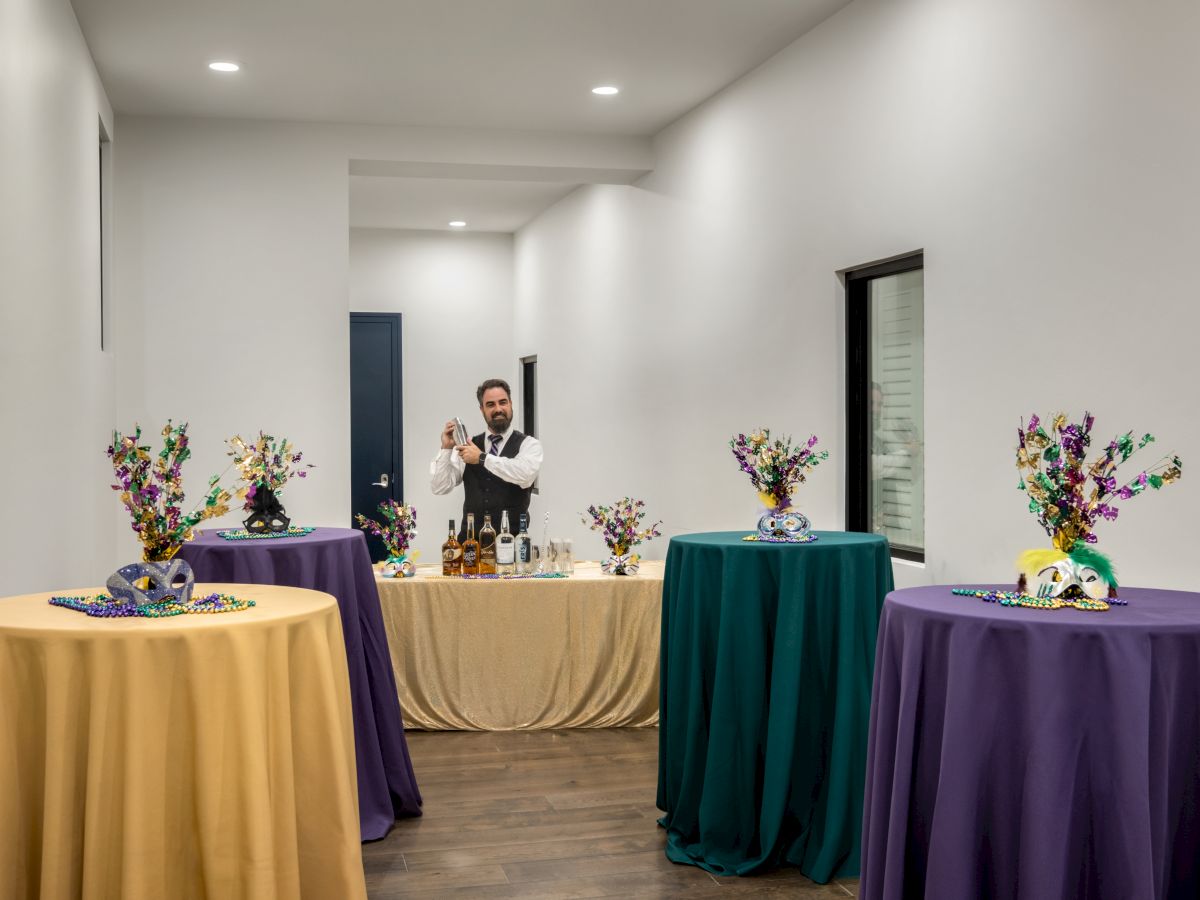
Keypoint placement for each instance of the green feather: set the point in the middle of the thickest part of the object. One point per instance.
(1083, 555)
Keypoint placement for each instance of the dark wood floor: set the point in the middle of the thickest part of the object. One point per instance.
(547, 814)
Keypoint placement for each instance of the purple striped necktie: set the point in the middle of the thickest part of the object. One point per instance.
(495, 439)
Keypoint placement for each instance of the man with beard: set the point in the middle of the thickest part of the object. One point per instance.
(497, 475)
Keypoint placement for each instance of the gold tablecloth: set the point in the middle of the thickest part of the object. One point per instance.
(500, 655)
(184, 757)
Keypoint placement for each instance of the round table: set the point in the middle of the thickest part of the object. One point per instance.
(765, 691)
(335, 560)
(499, 654)
(1026, 753)
(184, 757)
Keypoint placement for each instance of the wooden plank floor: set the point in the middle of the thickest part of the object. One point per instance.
(547, 814)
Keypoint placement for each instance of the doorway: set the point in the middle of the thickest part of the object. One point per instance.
(376, 434)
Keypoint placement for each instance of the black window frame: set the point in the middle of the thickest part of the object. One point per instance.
(858, 382)
(529, 395)
(529, 399)
(104, 200)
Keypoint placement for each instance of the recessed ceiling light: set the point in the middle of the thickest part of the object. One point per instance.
(224, 66)
(458, 223)
(606, 90)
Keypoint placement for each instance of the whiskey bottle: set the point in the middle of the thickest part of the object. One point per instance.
(470, 549)
(524, 548)
(452, 562)
(487, 547)
(506, 548)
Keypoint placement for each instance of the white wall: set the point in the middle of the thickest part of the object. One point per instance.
(56, 385)
(231, 260)
(454, 292)
(1043, 155)
(232, 280)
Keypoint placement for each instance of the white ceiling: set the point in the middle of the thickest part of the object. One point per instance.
(522, 65)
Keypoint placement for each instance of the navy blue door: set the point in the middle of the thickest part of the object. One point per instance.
(376, 465)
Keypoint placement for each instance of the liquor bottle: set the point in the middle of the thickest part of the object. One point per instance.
(487, 547)
(506, 547)
(524, 548)
(470, 549)
(452, 562)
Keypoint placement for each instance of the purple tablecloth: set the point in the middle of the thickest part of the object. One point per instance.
(1023, 753)
(335, 560)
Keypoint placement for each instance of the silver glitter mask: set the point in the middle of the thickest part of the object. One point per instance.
(170, 580)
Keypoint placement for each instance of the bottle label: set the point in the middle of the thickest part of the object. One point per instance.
(469, 556)
(524, 551)
(451, 554)
(504, 554)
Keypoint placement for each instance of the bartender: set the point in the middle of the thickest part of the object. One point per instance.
(496, 468)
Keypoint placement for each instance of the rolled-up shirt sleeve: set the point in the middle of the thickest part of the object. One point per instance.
(521, 470)
(446, 472)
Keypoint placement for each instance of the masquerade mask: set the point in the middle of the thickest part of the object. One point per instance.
(1081, 574)
(171, 580)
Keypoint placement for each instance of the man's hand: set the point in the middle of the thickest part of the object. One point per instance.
(448, 435)
(470, 453)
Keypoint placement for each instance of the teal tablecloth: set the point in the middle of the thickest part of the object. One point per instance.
(767, 656)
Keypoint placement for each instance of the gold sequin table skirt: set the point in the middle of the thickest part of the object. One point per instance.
(187, 757)
(500, 655)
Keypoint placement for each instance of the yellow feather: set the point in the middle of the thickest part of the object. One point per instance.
(1033, 561)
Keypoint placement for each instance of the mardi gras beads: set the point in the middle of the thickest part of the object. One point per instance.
(219, 603)
(1018, 598)
(494, 577)
(807, 539)
(241, 534)
(103, 606)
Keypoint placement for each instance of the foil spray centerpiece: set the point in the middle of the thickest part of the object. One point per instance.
(265, 465)
(776, 469)
(151, 489)
(619, 525)
(397, 529)
(1070, 496)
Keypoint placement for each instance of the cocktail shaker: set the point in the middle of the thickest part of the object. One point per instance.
(460, 432)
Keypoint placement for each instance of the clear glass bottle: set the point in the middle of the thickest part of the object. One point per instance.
(524, 553)
(470, 549)
(452, 554)
(487, 547)
(506, 548)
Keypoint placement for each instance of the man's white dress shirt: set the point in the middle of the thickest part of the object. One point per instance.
(446, 470)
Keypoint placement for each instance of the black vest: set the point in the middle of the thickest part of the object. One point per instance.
(488, 493)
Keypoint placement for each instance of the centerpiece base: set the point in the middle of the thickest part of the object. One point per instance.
(398, 567)
(147, 583)
(783, 527)
(267, 515)
(621, 564)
